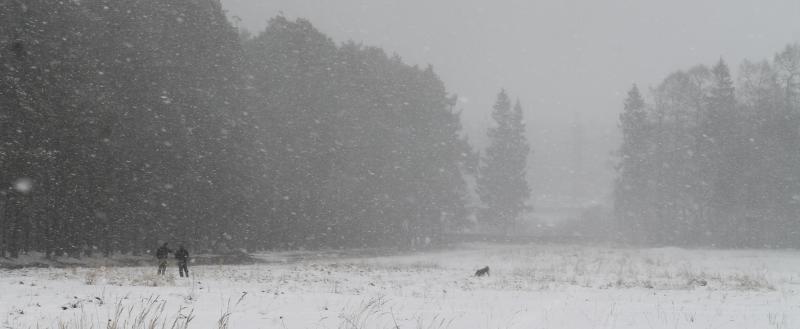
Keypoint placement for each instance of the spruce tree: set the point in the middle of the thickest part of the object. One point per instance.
(631, 185)
(720, 129)
(502, 184)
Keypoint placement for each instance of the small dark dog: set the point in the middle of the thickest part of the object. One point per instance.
(482, 272)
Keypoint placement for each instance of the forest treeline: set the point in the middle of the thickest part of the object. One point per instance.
(126, 123)
(714, 159)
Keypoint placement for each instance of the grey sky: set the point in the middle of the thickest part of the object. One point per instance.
(563, 58)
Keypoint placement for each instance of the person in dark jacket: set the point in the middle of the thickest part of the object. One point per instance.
(182, 256)
(162, 253)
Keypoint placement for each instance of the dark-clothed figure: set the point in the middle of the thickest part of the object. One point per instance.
(162, 253)
(182, 256)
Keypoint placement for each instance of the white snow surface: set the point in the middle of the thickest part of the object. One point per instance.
(530, 286)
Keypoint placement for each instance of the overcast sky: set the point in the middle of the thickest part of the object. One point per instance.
(563, 58)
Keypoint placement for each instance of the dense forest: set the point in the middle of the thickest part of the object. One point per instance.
(127, 123)
(124, 124)
(714, 159)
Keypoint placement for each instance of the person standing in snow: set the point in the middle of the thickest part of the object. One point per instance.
(182, 256)
(162, 253)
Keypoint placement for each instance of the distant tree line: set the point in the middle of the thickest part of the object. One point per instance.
(714, 160)
(123, 123)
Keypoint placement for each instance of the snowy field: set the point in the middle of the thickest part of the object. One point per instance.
(531, 286)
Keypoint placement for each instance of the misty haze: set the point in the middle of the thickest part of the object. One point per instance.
(359, 164)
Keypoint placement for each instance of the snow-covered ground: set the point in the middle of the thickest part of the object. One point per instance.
(531, 286)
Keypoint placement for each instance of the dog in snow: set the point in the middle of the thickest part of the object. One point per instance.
(482, 272)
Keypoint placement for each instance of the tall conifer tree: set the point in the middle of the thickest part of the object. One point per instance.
(502, 183)
(631, 184)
